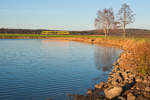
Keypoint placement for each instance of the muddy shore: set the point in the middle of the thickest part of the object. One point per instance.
(124, 83)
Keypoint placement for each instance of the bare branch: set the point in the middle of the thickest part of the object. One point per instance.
(105, 20)
(125, 16)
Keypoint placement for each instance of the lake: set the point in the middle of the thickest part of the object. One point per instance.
(36, 69)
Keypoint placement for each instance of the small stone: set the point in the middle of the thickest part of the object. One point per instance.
(147, 89)
(89, 92)
(111, 93)
(114, 83)
(100, 86)
(138, 79)
(145, 81)
(121, 98)
(141, 97)
(137, 88)
(130, 96)
(130, 80)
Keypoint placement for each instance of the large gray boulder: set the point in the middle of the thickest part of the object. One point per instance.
(111, 93)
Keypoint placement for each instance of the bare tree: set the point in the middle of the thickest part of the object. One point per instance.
(125, 16)
(105, 20)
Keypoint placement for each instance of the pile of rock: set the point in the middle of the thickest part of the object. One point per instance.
(121, 85)
(125, 85)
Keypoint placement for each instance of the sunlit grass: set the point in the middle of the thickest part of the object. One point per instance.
(77, 36)
(42, 35)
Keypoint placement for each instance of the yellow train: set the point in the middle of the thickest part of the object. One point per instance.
(55, 32)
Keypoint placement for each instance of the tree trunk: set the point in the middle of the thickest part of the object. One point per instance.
(108, 32)
(105, 31)
(124, 23)
(124, 31)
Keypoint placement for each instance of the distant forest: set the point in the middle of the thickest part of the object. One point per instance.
(131, 32)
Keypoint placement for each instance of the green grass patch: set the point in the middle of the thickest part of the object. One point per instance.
(42, 35)
(75, 36)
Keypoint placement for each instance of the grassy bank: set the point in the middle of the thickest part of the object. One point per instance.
(4, 35)
(55, 36)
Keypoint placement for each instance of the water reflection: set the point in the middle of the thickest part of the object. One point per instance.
(56, 67)
(104, 57)
(60, 43)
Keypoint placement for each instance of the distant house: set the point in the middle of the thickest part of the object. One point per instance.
(55, 32)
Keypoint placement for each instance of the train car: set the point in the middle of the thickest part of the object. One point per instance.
(55, 32)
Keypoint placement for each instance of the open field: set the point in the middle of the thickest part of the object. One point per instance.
(41, 35)
(2, 35)
(130, 32)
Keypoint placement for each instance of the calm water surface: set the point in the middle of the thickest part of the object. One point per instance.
(41, 69)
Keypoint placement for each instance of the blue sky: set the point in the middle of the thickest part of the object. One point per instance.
(66, 14)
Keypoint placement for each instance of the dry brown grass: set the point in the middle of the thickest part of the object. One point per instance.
(142, 55)
(136, 57)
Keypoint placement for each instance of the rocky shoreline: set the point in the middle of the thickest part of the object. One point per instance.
(122, 84)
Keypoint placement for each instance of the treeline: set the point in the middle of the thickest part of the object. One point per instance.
(19, 31)
(118, 32)
(32, 31)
